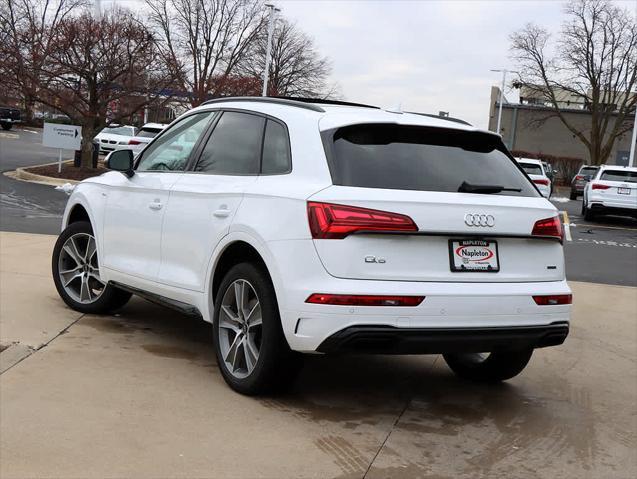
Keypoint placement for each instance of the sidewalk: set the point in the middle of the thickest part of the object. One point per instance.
(139, 395)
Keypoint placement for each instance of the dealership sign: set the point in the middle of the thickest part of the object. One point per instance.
(65, 137)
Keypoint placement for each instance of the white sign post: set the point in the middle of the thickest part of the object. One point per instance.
(63, 137)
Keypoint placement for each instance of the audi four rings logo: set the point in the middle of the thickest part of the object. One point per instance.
(479, 220)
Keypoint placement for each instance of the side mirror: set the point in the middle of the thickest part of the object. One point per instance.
(121, 160)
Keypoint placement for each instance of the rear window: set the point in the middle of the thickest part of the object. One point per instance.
(148, 132)
(531, 168)
(619, 175)
(588, 171)
(420, 158)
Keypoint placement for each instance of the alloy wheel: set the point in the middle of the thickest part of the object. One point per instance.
(240, 328)
(79, 270)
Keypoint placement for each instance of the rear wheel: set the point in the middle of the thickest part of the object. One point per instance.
(488, 367)
(252, 352)
(573, 195)
(76, 273)
(6, 126)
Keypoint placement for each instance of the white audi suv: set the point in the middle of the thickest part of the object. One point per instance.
(317, 227)
(613, 190)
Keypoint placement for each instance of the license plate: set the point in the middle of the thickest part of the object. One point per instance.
(473, 256)
(623, 191)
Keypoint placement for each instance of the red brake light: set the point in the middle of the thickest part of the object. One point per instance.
(553, 299)
(541, 182)
(134, 142)
(579, 177)
(548, 227)
(364, 300)
(330, 221)
(599, 186)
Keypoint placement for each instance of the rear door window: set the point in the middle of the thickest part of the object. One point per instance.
(619, 175)
(234, 147)
(421, 158)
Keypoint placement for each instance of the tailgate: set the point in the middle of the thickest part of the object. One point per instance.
(444, 221)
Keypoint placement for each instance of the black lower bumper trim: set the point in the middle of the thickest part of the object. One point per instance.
(391, 340)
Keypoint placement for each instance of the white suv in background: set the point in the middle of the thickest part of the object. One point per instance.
(318, 227)
(142, 138)
(613, 190)
(536, 171)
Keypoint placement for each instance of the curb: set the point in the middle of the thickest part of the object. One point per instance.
(22, 174)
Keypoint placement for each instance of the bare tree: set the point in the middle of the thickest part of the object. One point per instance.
(206, 39)
(296, 67)
(26, 28)
(101, 70)
(596, 61)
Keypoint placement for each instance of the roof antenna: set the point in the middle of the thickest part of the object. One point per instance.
(397, 109)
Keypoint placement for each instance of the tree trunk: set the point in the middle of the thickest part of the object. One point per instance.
(88, 133)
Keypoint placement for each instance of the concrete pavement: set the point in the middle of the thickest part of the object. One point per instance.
(139, 395)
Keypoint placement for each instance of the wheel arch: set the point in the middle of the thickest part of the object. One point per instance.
(234, 249)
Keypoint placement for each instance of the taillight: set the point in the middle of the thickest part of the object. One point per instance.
(548, 227)
(553, 299)
(364, 300)
(134, 142)
(330, 221)
(579, 177)
(599, 186)
(541, 182)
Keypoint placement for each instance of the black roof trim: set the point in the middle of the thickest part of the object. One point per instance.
(446, 118)
(266, 99)
(322, 101)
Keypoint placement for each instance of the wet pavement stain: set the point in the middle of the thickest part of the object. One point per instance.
(345, 456)
(172, 352)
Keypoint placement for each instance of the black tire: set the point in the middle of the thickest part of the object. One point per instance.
(573, 195)
(276, 365)
(588, 214)
(495, 367)
(110, 299)
(6, 126)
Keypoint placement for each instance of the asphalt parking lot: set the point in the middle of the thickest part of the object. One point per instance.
(139, 394)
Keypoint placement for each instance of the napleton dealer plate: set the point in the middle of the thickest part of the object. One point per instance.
(473, 256)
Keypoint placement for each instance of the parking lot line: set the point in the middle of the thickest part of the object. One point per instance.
(588, 225)
(567, 226)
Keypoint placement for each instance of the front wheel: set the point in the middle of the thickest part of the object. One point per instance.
(76, 273)
(6, 126)
(488, 367)
(252, 352)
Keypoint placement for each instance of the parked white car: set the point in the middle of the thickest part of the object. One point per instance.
(320, 228)
(113, 136)
(144, 136)
(537, 173)
(613, 190)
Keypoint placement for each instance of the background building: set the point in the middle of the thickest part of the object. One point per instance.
(533, 126)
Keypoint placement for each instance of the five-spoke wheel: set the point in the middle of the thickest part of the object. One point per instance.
(76, 272)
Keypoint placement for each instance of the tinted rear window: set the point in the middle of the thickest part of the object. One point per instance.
(588, 171)
(531, 168)
(148, 132)
(420, 158)
(619, 175)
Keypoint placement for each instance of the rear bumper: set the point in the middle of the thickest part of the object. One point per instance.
(614, 209)
(391, 340)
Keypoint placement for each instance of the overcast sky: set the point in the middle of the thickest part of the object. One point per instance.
(427, 55)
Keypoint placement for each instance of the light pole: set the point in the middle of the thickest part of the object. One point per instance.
(268, 47)
(504, 79)
(98, 8)
(631, 158)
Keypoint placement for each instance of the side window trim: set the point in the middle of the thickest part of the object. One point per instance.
(170, 127)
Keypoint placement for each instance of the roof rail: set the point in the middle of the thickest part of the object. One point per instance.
(446, 118)
(266, 99)
(323, 101)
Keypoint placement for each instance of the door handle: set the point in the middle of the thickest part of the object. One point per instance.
(155, 205)
(222, 212)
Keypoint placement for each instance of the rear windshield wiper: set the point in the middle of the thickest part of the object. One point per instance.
(486, 189)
